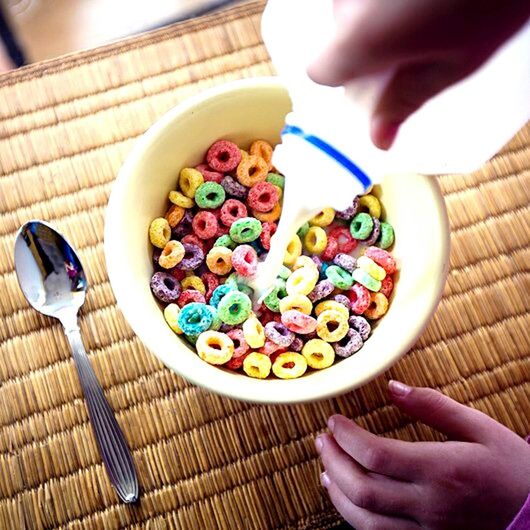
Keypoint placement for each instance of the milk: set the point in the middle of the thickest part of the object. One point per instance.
(326, 152)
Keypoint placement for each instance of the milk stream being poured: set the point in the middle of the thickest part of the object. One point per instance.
(326, 152)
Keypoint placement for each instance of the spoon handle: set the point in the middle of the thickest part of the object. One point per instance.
(112, 446)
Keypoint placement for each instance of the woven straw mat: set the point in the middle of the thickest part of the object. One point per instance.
(205, 461)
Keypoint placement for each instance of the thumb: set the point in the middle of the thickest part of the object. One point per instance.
(457, 421)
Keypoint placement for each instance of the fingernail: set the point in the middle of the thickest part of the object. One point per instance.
(324, 479)
(331, 423)
(319, 444)
(399, 389)
(383, 132)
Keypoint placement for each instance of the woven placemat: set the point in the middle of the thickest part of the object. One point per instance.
(206, 461)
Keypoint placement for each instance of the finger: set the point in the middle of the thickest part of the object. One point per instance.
(444, 414)
(359, 517)
(376, 493)
(408, 89)
(394, 458)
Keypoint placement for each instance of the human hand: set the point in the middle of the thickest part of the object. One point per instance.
(478, 480)
(427, 44)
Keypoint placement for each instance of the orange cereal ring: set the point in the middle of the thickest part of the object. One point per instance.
(174, 215)
(252, 170)
(262, 149)
(269, 217)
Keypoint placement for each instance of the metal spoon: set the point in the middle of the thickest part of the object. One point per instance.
(54, 283)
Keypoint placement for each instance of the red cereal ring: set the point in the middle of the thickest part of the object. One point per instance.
(190, 295)
(222, 230)
(178, 274)
(235, 363)
(331, 250)
(223, 156)
(267, 231)
(208, 175)
(262, 196)
(382, 258)
(231, 211)
(240, 344)
(211, 281)
(245, 260)
(359, 298)
(343, 236)
(265, 315)
(387, 286)
(205, 225)
(194, 240)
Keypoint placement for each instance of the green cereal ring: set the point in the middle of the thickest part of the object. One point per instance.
(235, 280)
(284, 273)
(302, 231)
(192, 339)
(272, 300)
(339, 277)
(386, 238)
(234, 308)
(245, 230)
(210, 195)
(225, 241)
(216, 321)
(277, 180)
(361, 226)
(365, 279)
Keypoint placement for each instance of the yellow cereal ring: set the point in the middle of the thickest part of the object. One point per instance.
(318, 354)
(315, 240)
(331, 304)
(289, 365)
(252, 170)
(269, 217)
(253, 332)
(324, 218)
(171, 313)
(372, 204)
(262, 149)
(304, 261)
(174, 215)
(193, 282)
(280, 192)
(178, 198)
(219, 260)
(299, 302)
(332, 325)
(293, 251)
(257, 365)
(215, 347)
(302, 281)
(171, 255)
(244, 154)
(371, 267)
(159, 232)
(378, 306)
(189, 180)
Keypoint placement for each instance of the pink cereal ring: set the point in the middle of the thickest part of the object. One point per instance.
(262, 196)
(205, 225)
(359, 298)
(245, 260)
(208, 175)
(382, 258)
(231, 211)
(387, 286)
(190, 295)
(240, 344)
(299, 322)
(223, 156)
(267, 231)
(331, 250)
(192, 239)
(344, 238)
(269, 348)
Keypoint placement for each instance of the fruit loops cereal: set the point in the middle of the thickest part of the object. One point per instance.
(335, 284)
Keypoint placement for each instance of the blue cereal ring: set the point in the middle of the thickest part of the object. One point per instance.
(195, 318)
(221, 291)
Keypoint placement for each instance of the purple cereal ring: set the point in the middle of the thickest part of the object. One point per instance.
(192, 259)
(376, 230)
(342, 299)
(361, 325)
(183, 228)
(279, 334)
(156, 257)
(299, 322)
(165, 287)
(345, 261)
(233, 187)
(322, 289)
(350, 212)
(349, 344)
(297, 344)
(318, 262)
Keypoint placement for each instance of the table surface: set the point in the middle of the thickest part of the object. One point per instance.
(205, 461)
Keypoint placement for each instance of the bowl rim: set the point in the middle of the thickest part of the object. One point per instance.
(119, 287)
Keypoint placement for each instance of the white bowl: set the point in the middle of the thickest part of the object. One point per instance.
(243, 111)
